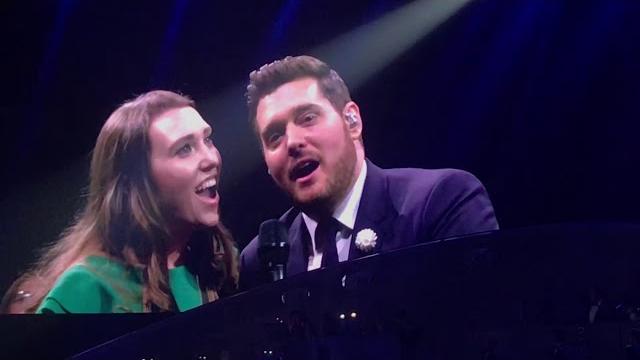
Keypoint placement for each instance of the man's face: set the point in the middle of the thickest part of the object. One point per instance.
(308, 149)
(185, 166)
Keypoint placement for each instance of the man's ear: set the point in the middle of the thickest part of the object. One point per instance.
(351, 115)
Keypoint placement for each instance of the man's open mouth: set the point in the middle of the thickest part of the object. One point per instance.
(302, 169)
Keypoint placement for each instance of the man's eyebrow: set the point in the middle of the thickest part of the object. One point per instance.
(298, 110)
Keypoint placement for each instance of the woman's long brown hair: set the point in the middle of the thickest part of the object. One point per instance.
(124, 217)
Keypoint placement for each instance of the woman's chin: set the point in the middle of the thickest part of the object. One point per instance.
(209, 220)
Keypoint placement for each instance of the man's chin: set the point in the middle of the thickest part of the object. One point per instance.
(311, 201)
(305, 195)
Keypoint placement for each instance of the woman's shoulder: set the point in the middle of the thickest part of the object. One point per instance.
(95, 285)
(77, 290)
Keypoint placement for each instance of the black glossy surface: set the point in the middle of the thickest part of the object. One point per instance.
(519, 294)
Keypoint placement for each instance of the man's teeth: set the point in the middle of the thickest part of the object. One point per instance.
(205, 185)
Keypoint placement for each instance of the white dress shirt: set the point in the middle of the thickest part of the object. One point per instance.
(345, 213)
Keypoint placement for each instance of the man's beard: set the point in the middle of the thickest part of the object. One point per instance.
(336, 188)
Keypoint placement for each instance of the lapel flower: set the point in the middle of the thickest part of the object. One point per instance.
(366, 240)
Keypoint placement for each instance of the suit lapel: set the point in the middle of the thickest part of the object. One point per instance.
(298, 238)
(375, 211)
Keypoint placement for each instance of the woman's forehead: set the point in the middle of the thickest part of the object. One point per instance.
(175, 124)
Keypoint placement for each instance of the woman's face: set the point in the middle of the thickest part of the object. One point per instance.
(185, 166)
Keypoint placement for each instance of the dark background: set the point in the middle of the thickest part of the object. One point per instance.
(540, 99)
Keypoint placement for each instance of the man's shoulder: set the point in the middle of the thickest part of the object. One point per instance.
(446, 202)
(412, 190)
(412, 180)
(249, 252)
(426, 174)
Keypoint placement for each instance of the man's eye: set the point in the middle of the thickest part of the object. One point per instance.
(308, 117)
(184, 150)
(274, 138)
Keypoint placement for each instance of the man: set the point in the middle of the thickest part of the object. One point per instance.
(311, 135)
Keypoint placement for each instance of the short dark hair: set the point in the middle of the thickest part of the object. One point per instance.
(269, 77)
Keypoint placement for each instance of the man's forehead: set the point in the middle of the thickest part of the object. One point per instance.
(288, 96)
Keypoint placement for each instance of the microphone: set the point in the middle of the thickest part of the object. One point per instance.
(273, 248)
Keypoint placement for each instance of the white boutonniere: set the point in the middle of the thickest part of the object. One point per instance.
(366, 240)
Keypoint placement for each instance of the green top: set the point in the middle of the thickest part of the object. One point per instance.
(102, 285)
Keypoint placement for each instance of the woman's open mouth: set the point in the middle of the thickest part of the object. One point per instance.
(208, 189)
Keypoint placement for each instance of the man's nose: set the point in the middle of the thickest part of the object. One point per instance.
(296, 140)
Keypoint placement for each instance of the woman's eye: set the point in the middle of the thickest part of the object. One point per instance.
(209, 140)
(184, 150)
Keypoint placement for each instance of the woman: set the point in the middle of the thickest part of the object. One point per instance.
(150, 237)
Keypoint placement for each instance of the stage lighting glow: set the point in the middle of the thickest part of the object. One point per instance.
(361, 53)
(357, 56)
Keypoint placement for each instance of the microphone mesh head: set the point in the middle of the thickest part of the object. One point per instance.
(273, 247)
(272, 232)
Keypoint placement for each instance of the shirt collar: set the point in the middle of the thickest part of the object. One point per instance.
(347, 209)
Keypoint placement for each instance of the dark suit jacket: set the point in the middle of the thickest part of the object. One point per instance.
(403, 207)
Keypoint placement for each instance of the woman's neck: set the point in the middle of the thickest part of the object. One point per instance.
(177, 245)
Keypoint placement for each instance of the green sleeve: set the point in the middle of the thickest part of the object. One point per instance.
(78, 290)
